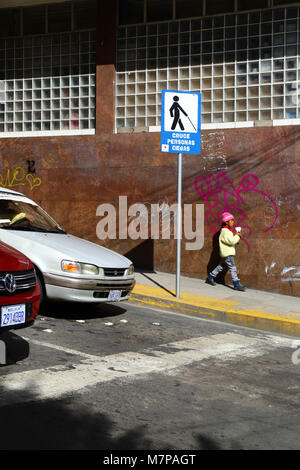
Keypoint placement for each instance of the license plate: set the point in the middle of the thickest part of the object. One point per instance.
(13, 314)
(114, 295)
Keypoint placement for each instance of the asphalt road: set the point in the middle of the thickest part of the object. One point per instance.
(123, 377)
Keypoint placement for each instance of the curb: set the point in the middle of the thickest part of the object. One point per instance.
(258, 320)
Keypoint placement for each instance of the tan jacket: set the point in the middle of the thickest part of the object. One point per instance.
(227, 242)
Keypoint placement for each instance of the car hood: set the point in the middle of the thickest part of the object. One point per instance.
(66, 246)
(13, 260)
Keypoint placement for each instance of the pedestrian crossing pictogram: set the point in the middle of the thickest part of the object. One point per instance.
(181, 122)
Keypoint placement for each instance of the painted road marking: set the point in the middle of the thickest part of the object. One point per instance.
(73, 352)
(222, 310)
(56, 381)
(153, 294)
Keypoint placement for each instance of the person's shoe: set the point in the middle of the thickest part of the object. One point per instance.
(210, 280)
(238, 286)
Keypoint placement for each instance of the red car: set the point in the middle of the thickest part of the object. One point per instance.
(19, 290)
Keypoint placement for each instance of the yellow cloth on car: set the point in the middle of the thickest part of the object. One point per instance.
(227, 242)
(17, 217)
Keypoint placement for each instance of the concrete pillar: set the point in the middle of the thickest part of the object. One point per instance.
(2, 352)
(105, 69)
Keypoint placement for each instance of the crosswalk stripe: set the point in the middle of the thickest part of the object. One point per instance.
(73, 352)
(58, 380)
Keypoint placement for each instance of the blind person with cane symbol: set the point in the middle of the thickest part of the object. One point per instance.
(175, 112)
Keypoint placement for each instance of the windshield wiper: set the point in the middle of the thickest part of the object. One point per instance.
(58, 230)
(54, 231)
(32, 228)
(17, 227)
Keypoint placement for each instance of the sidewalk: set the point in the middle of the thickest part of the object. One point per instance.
(252, 308)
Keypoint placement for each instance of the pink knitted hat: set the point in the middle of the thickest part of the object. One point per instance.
(226, 216)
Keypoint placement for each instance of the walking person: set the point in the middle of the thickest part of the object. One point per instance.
(175, 112)
(227, 241)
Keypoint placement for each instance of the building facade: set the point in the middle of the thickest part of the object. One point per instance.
(80, 116)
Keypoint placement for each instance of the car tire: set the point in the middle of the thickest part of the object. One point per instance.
(42, 289)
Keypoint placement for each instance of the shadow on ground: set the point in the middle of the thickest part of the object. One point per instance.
(61, 425)
(80, 311)
(32, 424)
(16, 348)
(143, 273)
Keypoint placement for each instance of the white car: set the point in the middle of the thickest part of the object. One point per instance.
(67, 267)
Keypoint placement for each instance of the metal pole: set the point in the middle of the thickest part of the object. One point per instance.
(179, 224)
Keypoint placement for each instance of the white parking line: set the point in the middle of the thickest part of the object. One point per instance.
(61, 348)
(56, 381)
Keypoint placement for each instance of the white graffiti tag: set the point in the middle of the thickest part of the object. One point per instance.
(287, 274)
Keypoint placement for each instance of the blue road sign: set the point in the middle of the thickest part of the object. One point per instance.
(180, 122)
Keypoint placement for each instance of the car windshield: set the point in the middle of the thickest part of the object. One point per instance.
(21, 215)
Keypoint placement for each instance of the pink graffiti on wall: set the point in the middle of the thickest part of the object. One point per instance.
(221, 195)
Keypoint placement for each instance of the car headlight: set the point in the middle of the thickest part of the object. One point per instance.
(70, 266)
(79, 268)
(89, 269)
(130, 270)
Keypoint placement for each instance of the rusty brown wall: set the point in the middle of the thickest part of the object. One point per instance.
(73, 175)
(255, 172)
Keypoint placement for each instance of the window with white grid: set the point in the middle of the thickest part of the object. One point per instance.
(47, 83)
(247, 66)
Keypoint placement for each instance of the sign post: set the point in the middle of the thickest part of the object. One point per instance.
(180, 133)
(179, 224)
